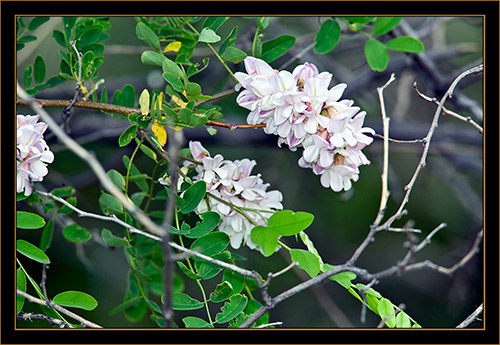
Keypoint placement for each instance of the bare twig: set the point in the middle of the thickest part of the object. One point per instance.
(385, 121)
(467, 119)
(57, 307)
(472, 317)
(126, 110)
(385, 190)
(50, 320)
(174, 143)
(408, 188)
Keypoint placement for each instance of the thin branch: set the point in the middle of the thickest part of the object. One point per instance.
(467, 119)
(397, 141)
(57, 307)
(385, 121)
(174, 143)
(22, 316)
(472, 317)
(408, 188)
(45, 103)
(384, 197)
(67, 110)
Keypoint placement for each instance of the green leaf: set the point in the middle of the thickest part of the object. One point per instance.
(383, 25)
(75, 299)
(174, 80)
(221, 292)
(28, 220)
(63, 192)
(112, 240)
(263, 22)
(288, 222)
(126, 304)
(127, 136)
(209, 222)
(144, 33)
(27, 76)
(306, 261)
(152, 58)
(182, 301)
(344, 278)
(31, 251)
(196, 322)
(214, 23)
(192, 197)
(232, 308)
(208, 36)
(233, 55)
(403, 320)
(147, 151)
(110, 205)
(210, 244)
(116, 178)
(21, 196)
(230, 40)
(386, 310)
(405, 44)
(76, 233)
(369, 291)
(47, 233)
(327, 37)
(168, 66)
(89, 36)
(59, 38)
(39, 69)
(275, 48)
(36, 22)
(376, 55)
(265, 238)
(144, 102)
(21, 285)
(236, 280)
(128, 96)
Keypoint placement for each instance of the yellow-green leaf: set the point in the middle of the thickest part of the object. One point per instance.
(144, 102)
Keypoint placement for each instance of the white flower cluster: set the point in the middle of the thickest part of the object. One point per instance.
(303, 112)
(233, 183)
(33, 153)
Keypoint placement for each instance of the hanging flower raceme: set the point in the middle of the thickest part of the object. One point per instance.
(33, 153)
(242, 199)
(300, 108)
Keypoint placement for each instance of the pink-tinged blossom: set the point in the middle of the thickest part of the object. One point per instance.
(33, 153)
(302, 110)
(233, 182)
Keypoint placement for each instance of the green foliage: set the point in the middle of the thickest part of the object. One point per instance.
(277, 47)
(75, 299)
(232, 308)
(192, 197)
(75, 233)
(21, 285)
(327, 37)
(28, 220)
(375, 50)
(281, 223)
(31, 251)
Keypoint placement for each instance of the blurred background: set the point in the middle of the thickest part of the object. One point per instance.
(449, 189)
